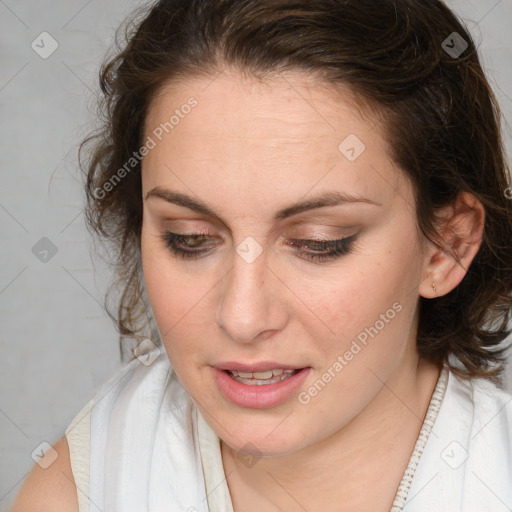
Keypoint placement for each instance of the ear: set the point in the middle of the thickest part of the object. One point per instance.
(460, 229)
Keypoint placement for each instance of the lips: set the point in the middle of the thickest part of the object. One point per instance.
(259, 393)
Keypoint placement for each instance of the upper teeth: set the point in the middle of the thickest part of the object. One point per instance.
(260, 375)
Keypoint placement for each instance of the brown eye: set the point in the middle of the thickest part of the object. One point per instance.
(176, 244)
(323, 250)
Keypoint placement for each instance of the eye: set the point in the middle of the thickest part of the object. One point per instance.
(176, 244)
(325, 250)
(186, 246)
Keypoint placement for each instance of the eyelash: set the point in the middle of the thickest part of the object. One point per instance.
(337, 248)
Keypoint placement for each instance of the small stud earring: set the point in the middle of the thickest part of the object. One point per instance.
(434, 287)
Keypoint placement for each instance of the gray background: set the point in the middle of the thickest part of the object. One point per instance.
(57, 344)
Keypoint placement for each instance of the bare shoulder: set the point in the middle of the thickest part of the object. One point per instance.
(51, 489)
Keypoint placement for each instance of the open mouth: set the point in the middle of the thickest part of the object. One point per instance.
(262, 378)
(267, 387)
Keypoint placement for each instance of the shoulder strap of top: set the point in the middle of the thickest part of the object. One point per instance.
(217, 491)
(78, 435)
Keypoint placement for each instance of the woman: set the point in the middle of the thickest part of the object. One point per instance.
(310, 200)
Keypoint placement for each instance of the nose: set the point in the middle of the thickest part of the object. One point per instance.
(250, 307)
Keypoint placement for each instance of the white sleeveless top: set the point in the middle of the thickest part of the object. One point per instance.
(141, 445)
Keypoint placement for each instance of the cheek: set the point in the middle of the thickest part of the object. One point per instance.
(167, 290)
(370, 318)
(178, 301)
(351, 299)
(366, 301)
(167, 296)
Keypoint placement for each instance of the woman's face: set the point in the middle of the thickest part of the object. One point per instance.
(263, 288)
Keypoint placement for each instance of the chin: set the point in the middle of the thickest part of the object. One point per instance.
(247, 442)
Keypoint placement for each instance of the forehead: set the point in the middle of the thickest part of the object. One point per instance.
(292, 105)
(289, 132)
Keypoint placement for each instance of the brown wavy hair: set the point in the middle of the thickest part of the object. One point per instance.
(442, 123)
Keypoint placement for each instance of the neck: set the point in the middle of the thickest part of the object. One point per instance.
(371, 452)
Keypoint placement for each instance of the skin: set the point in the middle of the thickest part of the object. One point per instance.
(248, 149)
(49, 490)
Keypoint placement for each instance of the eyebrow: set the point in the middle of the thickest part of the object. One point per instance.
(324, 200)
